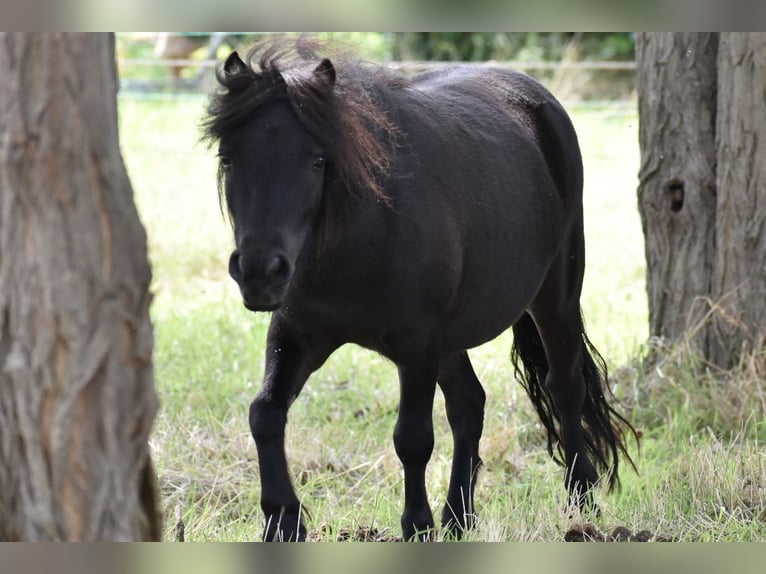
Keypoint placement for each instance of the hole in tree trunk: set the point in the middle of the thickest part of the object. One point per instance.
(675, 191)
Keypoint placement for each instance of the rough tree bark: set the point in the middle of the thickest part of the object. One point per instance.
(701, 190)
(676, 75)
(739, 274)
(77, 397)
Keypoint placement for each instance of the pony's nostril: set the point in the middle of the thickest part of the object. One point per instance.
(235, 266)
(244, 270)
(278, 268)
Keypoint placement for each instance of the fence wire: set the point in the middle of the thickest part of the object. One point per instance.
(166, 65)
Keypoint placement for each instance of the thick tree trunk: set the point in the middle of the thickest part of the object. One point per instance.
(77, 397)
(739, 274)
(677, 180)
(701, 191)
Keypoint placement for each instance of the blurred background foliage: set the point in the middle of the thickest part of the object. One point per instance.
(440, 46)
(520, 46)
(173, 62)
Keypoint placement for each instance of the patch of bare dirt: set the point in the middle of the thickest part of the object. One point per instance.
(359, 534)
(589, 533)
(577, 533)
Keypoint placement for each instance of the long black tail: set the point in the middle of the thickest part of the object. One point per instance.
(604, 428)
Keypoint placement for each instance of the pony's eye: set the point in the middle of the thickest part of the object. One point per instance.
(225, 161)
(320, 161)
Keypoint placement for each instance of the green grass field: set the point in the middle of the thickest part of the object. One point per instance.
(701, 467)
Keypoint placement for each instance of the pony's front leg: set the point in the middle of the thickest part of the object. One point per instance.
(414, 442)
(291, 357)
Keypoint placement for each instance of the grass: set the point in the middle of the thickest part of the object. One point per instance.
(701, 465)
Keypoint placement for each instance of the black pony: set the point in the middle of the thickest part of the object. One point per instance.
(417, 217)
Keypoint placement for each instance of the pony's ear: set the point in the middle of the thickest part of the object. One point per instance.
(234, 65)
(325, 71)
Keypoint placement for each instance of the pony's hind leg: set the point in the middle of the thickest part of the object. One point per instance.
(464, 400)
(561, 335)
(566, 379)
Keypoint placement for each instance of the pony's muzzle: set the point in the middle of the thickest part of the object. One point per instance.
(262, 280)
(278, 268)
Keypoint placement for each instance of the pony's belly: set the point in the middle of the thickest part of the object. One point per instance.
(485, 309)
(469, 332)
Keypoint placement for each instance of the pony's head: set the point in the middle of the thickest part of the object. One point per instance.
(294, 144)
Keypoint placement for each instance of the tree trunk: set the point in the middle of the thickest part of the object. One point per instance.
(739, 274)
(701, 190)
(676, 75)
(77, 397)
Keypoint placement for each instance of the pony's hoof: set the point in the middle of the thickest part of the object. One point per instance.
(418, 530)
(284, 530)
(455, 527)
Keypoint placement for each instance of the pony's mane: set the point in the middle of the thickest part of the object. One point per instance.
(346, 115)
